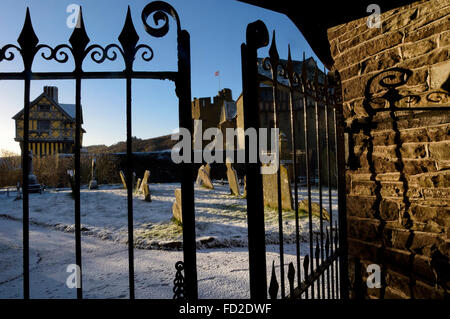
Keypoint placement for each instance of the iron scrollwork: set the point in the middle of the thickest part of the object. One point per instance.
(178, 282)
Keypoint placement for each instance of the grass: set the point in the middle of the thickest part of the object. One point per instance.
(271, 215)
(171, 230)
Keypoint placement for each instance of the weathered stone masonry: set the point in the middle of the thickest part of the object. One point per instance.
(398, 177)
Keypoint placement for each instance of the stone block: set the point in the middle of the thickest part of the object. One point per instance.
(412, 50)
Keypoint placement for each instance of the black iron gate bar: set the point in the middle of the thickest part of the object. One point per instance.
(326, 255)
(79, 49)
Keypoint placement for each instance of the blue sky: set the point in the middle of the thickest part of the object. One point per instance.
(217, 29)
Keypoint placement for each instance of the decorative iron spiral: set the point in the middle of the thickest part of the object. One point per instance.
(178, 282)
(160, 11)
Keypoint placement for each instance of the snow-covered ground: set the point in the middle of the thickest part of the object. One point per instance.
(222, 262)
(221, 219)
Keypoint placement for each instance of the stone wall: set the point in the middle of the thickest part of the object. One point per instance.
(398, 176)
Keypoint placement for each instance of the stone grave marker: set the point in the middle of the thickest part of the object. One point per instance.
(271, 192)
(33, 185)
(315, 208)
(147, 195)
(176, 208)
(19, 193)
(93, 182)
(203, 177)
(138, 185)
(144, 180)
(124, 180)
(233, 180)
(245, 186)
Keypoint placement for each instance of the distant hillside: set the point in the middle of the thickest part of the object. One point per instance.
(139, 145)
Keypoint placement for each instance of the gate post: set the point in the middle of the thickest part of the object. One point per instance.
(257, 36)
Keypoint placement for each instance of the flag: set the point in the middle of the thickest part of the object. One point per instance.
(216, 73)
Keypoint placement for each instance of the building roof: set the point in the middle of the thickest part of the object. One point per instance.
(297, 65)
(68, 109)
(314, 18)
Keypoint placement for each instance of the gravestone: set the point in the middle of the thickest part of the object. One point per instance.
(33, 185)
(176, 208)
(208, 169)
(147, 195)
(233, 180)
(138, 185)
(315, 209)
(144, 180)
(19, 193)
(124, 180)
(93, 182)
(203, 177)
(270, 189)
(245, 187)
(71, 175)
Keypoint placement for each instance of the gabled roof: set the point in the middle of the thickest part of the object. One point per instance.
(67, 109)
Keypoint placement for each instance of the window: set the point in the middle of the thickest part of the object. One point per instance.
(44, 107)
(43, 125)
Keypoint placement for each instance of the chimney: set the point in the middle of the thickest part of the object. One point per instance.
(52, 91)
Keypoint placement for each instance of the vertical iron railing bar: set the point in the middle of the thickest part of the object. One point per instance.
(25, 199)
(27, 41)
(291, 75)
(257, 36)
(338, 282)
(128, 38)
(77, 181)
(334, 229)
(319, 173)
(79, 41)
(308, 179)
(130, 189)
(274, 63)
(330, 203)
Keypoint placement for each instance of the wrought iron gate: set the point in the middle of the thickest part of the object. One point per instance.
(79, 49)
(324, 272)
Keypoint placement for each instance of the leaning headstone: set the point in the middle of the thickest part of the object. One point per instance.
(147, 195)
(270, 189)
(203, 179)
(176, 208)
(233, 180)
(124, 181)
(315, 209)
(208, 169)
(93, 182)
(144, 180)
(138, 185)
(198, 180)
